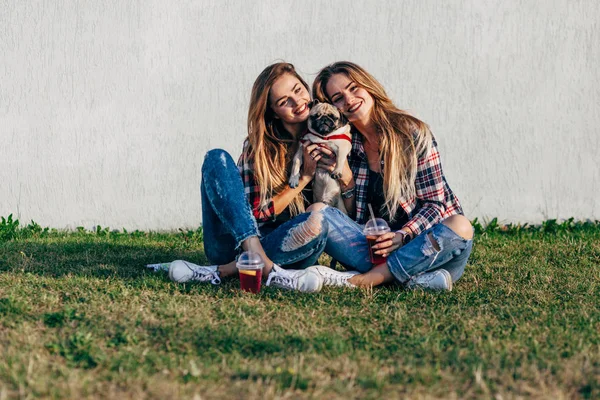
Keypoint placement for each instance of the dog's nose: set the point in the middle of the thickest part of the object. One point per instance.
(327, 122)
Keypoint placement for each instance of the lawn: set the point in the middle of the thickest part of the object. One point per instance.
(80, 317)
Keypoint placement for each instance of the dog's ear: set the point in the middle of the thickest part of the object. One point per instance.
(313, 103)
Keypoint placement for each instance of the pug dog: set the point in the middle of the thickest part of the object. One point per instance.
(327, 126)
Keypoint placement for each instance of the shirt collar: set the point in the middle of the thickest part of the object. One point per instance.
(357, 144)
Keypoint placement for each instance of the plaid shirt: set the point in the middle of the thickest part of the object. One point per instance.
(263, 214)
(434, 199)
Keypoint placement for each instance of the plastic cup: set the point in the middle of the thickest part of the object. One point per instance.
(373, 229)
(250, 266)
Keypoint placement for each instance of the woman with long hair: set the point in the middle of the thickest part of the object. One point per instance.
(250, 206)
(396, 168)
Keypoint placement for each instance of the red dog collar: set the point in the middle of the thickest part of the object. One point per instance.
(332, 137)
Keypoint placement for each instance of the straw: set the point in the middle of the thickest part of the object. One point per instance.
(372, 213)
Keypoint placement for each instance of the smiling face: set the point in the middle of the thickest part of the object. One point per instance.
(288, 98)
(350, 98)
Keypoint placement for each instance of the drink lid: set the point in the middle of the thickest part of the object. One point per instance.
(250, 260)
(376, 225)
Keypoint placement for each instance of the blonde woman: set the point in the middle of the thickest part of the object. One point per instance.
(250, 206)
(395, 166)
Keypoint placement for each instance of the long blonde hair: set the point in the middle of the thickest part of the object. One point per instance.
(403, 138)
(270, 145)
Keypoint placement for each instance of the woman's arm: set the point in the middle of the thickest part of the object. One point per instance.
(429, 185)
(285, 197)
(275, 205)
(309, 166)
(348, 187)
(326, 160)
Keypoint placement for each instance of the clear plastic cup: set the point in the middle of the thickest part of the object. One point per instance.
(250, 266)
(373, 229)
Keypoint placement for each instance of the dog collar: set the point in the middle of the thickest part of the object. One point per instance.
(340, 133)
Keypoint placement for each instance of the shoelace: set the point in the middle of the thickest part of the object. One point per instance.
(203, 275)
(424, 279)
(279, 279)
(335, 280)
(419, 280)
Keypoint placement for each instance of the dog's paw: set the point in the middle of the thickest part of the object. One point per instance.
(336, 174)
(294, 181)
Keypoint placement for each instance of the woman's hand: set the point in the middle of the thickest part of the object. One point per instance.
(327, 160)
(309, 163)
(387, 243)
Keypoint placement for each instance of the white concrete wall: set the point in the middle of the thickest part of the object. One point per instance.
(107, 107)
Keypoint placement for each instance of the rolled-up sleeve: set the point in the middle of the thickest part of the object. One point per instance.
(429, 185)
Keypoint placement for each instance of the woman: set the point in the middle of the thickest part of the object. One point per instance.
(396, 168)
(250, 206)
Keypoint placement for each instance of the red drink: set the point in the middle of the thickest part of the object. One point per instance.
(250, 265)
(376, 259)
(374, 228)
(250, 280)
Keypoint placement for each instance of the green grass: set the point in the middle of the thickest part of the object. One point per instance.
(81, 318)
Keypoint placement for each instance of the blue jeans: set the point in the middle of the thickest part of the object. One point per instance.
(347, 244)
(227, 220)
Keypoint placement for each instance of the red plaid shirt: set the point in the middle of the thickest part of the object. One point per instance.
(262, 214)
(434, 199)
(265, 216)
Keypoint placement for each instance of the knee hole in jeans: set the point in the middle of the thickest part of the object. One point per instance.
(316, 207)
(303, 233)
(460, 225)
(430, 245)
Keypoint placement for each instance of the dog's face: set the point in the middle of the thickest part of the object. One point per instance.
(325, 118)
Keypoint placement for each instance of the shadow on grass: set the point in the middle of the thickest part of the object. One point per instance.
(92, 258)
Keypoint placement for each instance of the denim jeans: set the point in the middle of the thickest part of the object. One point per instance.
(347, 244)
(227, 220)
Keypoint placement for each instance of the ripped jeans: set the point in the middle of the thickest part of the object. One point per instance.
(347, 244)
(227, 220)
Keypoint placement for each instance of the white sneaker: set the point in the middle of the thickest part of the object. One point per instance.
(437, 280)
(302, 280)
(159, 267)
(182, 271)
(331, 277)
